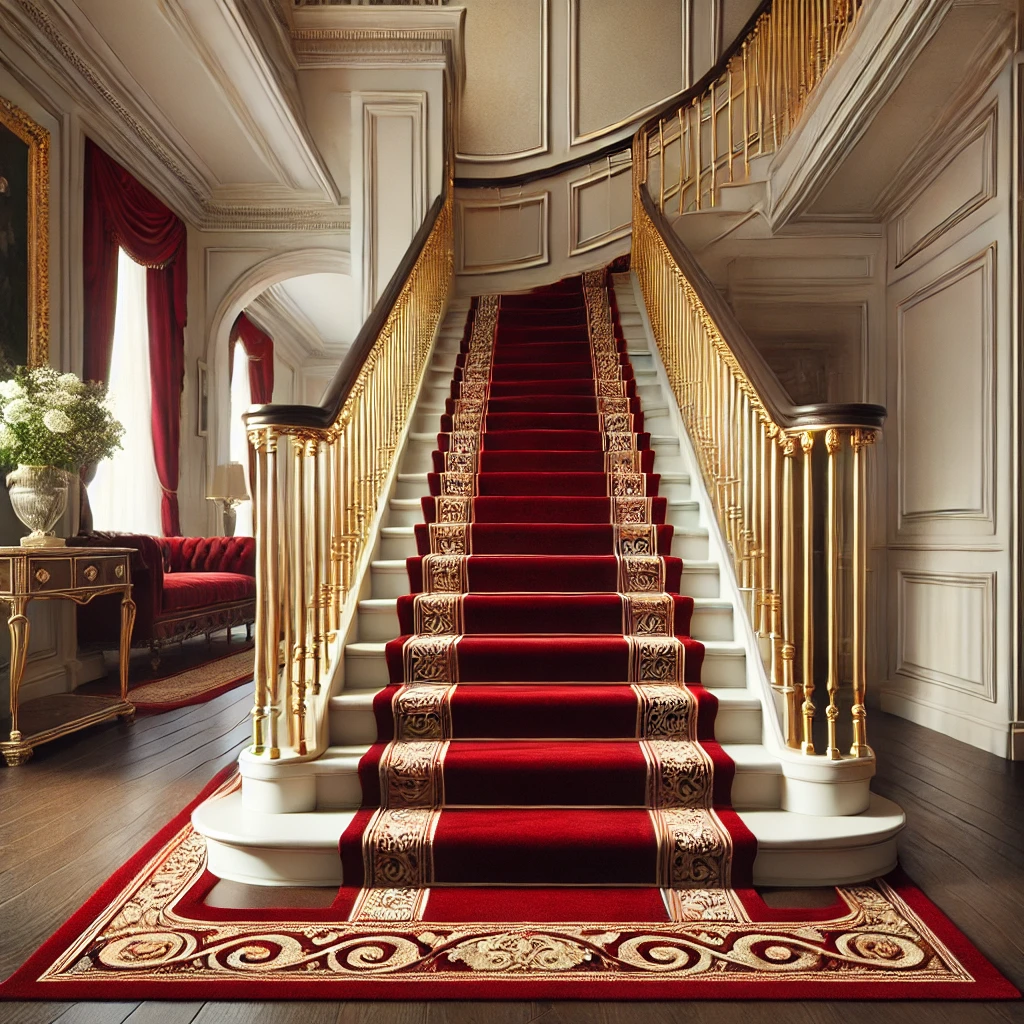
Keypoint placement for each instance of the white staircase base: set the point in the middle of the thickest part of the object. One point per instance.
(302, 849)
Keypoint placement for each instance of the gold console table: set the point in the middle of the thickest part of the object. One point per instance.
(72, 574)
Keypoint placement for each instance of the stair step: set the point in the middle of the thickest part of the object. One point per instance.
(792, 849)
(756, 783)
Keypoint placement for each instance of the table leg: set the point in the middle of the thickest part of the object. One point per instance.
(17, 624)
(124, 651)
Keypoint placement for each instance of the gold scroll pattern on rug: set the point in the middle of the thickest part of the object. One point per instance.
(144, 935)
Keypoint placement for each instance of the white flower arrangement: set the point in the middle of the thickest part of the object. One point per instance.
(49, 418)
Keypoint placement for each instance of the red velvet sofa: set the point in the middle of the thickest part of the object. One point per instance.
(182, 586)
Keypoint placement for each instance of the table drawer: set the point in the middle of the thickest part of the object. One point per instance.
(48, 574)
(102, 571)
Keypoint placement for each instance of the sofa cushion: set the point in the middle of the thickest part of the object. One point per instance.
(184, 590)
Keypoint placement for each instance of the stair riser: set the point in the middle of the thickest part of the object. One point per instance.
(340, 789)
(368, 671)
(398, 547)
(417, 488)
(354, 726)
(379, 625)
(399, 516)
(683, 546)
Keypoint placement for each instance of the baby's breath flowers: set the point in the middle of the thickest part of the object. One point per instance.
(48, 418)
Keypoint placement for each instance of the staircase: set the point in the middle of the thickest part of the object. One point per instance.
(535, 751)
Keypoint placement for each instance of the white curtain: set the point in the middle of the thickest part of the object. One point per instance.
(125, 493)
(238, 450)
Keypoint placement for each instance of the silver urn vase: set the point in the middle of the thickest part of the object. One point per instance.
(39, 496)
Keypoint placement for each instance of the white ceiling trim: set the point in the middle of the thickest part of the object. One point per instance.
(281, 121)
(136, 134)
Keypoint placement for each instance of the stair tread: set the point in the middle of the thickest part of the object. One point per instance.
(226, 820)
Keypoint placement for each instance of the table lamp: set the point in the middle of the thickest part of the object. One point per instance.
(229, 489)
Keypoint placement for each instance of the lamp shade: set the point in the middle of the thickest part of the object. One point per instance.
(229, 482)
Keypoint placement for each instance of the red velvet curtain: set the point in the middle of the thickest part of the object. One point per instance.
(259, 347)
(120, 212)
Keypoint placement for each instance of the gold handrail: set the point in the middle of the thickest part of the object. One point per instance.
(319, 476)
(787, 483)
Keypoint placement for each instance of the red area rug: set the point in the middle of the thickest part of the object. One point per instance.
(147, 933)
(546, 811)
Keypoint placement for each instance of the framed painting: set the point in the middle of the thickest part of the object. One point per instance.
(24, 238)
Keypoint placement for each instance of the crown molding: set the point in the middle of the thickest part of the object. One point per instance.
(145, 143)
(344, 36)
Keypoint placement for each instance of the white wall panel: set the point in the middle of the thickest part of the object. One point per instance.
(944, 347)
(494, 235)
(599, 208)
(947, 630)
(961, 185)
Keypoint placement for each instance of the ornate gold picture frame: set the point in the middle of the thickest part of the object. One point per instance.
(24, 236)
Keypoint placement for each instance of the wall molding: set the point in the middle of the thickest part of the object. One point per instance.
(539, 257)
(577, 244)
(985, 583)
(578, 138)
(988, 61)
(985, 262)
(994, 737)
(983, 129)
(377, 107)
(544, 129)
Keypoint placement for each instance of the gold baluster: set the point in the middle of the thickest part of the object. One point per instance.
(788, 647)
(859, 439)
(275, 596)
(831, 584)
(808, 709)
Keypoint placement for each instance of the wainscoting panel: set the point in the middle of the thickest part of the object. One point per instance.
(599, 208)
(945, 335)
(960, 185)
(494, 235)
(946, 629)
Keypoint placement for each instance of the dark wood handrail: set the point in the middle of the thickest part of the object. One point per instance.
(624, 142)
(769, 389)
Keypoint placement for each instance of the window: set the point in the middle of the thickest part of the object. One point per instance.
(125, 493)
(238, 447)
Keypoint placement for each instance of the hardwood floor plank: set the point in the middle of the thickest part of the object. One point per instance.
(267, 1013)
(165, 1013)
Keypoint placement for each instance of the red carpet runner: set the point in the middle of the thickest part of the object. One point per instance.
(545, 723)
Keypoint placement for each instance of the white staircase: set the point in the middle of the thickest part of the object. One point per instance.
(798, 808)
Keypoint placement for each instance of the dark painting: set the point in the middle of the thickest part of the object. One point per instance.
(14, 249)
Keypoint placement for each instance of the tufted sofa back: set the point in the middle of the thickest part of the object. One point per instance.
(209, 554)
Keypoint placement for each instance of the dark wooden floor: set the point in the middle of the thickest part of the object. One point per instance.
(74, 812)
